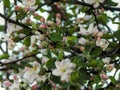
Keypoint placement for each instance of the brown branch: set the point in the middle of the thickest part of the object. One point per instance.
(91, 6)
(12, 62)
(15, 22)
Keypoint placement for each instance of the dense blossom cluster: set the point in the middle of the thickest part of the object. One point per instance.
(63, 51)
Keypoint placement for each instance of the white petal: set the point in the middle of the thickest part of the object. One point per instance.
(66, 63)
(90, 28)
(82, 31)
(57, 72)
(96, 4)
(82, 41)
(65, 77)
(58, 64)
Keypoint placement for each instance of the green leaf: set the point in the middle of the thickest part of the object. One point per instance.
(103, 18)
(61, 55)
(27, 41)
(38, 17)
(50, 64)
(21, 15)
(96, 52)
(1, 27)
(56, 37)
(6, 3)
(72, 40)
(107, 36)
(75, 77)
(4, 56)
(113, 80)
(88, 49)
(110, 3)
(94, 63)
(117, 34)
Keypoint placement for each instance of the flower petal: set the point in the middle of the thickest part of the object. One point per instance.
(57, 72)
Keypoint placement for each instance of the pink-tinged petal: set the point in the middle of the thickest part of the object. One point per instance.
(90, 28)
(82, 31)
(66, 63)
(58, 64)
(57, 72)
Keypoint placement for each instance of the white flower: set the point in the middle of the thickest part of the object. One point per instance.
(28, 2)
(14, 86)
(95, 2)
(82, 41)
(91, 30)
(87, 17)
(7, 83)
(31, 74)
(43, 51)
(12, 27)
(106, 60)
(64, 69)
(110, 67)
(102, 43)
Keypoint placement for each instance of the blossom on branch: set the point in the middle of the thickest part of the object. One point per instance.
(64, 69)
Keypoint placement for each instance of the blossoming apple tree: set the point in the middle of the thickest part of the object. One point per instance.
(74, 48)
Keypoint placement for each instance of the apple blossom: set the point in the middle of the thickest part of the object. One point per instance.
(7, 83)
(91, 30)
(110, 67)
(104, 76)
(106, 60)
(64, 69)
(102, 43)
(28, 2)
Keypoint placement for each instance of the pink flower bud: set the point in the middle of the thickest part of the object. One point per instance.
(104, 76)
(17, 7)
(58, 23)
(7, 83)
(42, 19)
(43, 26)
(34, 87)
(35, 14)
(58, 15)
(82, 48)
(110, 67)
(29, 20)
(15, 77)
(98, 38)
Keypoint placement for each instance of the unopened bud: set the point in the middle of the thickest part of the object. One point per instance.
(82, 48)
(17, 7)
(58, 15)
(42, 19)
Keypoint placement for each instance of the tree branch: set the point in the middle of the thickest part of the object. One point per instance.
(91, 6)
(14, 22)
(3, 64)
